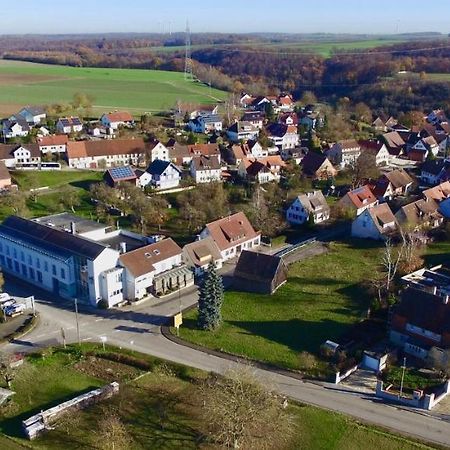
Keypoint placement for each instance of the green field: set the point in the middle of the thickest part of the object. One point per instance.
(134, 90)
(322, 299)
(319, 47)
(161, 409)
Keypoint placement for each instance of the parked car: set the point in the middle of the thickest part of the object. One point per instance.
(15, 309)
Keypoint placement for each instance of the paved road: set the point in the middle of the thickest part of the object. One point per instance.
(138, 328)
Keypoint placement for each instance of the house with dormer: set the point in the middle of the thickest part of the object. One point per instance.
(242, 131)
(205, 169)
(310, 206)
(344, 153)
(358, 200)
(232, 235)
(377, 223)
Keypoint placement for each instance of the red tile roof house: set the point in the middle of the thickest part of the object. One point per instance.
(358, 200)
(117, 152)
(116, 119)
(53, 144)
(154, 270)
(232, 234)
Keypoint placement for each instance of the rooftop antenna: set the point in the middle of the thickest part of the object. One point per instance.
(188, 75)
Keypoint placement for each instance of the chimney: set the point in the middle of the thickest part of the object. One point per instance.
(73, 228)
(123, 247)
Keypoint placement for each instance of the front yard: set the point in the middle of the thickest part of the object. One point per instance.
(322, 299)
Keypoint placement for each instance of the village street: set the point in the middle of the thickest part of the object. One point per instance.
(138, 328)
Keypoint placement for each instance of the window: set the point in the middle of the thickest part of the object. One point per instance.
(16, 267)
(30, 260)
(46, 266)
(2, 260)
(38, 263)
(31, 273)
(7, 250)
(39, 276)
(22, 256)
(63, 274)
(53, 269)
(24, 270)
(15, 253)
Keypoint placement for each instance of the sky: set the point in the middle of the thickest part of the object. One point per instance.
(293, 16)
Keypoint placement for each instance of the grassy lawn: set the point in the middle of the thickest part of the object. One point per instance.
(322, 298)
(159, 410)
(135, 90)
(49, 202)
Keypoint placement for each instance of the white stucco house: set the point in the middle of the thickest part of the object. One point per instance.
(312, 204)
(116, 119)
(68, 125)
(161, 175)
(344, 153)
(205, 169)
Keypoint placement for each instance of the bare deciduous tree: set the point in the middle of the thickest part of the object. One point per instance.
(112, 433)
(241, 412)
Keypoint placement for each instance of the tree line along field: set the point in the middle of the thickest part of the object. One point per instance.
(320, 47)
(135, 90)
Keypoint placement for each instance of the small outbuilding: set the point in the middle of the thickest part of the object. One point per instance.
(259, 273)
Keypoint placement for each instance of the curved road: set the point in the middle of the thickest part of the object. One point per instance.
(138, 328)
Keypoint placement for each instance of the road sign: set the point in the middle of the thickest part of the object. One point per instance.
(178, 320)
(103, 340)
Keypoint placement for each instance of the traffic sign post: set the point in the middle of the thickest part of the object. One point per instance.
(178, 321)
(103, 339)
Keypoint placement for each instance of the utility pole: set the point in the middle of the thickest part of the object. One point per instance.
(403, 377)
(76, 318)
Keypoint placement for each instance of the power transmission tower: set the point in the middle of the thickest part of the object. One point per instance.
(188, 69)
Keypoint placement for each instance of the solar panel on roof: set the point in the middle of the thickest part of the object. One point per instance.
(122, 172)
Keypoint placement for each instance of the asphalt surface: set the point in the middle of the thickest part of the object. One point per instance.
(138, 328)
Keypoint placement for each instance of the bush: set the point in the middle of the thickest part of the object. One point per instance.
(127, 359)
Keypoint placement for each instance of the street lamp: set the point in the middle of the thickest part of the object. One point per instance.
(76, 318)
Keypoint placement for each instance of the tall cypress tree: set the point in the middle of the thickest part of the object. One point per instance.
(210, 300)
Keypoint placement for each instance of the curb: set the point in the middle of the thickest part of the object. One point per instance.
(26, 329)
(167, 333)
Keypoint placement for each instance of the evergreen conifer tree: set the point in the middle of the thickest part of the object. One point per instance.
(210, 300)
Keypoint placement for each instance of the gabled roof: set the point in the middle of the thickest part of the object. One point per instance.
(34, 110)
(394, 142)
(361, 197)
(70, 121)
(382, 216)
(434, 167)
(231, 231)
(243, 127)
(349, 144)
(203, 149)
(313, 202)
(141, 261)
(7, 150)
(256, 167)
(8, 124)
(398, 178)
(158, 167)
(313, 161)
(371, 146)
(258, 267)
(52, 240)
(418, 212)
(82, 149)
(438, 193)
(280, 129)
(206, 162)
(56, 139)
(119, 116)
